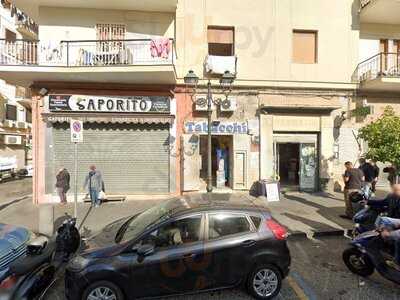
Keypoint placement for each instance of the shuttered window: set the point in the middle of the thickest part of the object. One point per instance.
(221, 41)
(305, 47)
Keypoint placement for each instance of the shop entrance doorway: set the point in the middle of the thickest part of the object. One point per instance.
(222, 161)
(289, 164)
(296, 161)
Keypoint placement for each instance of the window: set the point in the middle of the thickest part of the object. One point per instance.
(224, 224)
(183, 231)
(305, 47)
(110, 31)
(256, 221)
(221, 41)
(11, 112)
(28, 116)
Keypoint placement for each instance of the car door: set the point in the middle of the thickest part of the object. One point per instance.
(230, 240)
(171, 269)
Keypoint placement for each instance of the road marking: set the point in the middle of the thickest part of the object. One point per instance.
(300, 287)
(297, 289)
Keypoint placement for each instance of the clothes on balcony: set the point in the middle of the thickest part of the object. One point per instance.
(220, 64)
(50, 52)
(160, 47)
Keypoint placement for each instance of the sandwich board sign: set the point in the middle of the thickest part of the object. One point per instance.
(76, 131)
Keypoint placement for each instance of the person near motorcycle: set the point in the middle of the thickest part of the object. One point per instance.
(390, 224)
(353, 180)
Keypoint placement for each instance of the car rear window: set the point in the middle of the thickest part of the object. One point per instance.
(225, 224)
(256, 221)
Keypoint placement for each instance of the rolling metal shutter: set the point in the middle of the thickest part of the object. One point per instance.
(133, 158)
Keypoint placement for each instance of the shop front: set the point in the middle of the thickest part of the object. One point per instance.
(233, 155)
(128, 138)
(297, 142)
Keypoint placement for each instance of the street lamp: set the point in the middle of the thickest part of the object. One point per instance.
(226, 81)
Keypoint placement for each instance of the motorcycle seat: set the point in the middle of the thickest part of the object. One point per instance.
(29, 263)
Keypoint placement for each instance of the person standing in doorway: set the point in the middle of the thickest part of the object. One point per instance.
(94, 184)
(62, 185)
(353, 179)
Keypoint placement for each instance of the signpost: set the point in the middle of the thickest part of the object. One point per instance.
(76, 137)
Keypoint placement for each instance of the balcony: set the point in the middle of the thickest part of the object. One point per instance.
(380, 11)
(138, 61)
(32, 7)
(379, 73)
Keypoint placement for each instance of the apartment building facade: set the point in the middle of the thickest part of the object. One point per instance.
(377, 73)
(120, 68)
(15, 107)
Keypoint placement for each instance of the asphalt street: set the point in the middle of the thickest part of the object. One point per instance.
(317, 273)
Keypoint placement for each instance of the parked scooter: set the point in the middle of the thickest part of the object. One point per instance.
(31, 276)
(368, 251)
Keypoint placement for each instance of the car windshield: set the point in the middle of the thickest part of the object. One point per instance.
(136, 225)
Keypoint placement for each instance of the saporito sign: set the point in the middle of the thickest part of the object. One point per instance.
(134, 104)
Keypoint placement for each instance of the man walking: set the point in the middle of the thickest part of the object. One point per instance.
(369, 173)
(353, 179)
(94, 183)
(62, 185)
(376, 175)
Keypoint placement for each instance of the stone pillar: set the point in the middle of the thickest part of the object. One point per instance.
(326, 154)
(266, 147)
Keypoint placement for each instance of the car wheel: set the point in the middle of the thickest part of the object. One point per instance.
(101, 290)
(264, 282)
(357, 262)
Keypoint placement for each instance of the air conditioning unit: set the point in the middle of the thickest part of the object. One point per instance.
(22, 125)
(201, 103)
(13, 140)
(228, 104)
(9, 123)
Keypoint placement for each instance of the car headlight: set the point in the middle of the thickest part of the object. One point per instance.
(78, 263)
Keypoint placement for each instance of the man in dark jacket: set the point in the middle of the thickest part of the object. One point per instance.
(62, 184)
(368, 171)
(353, 179)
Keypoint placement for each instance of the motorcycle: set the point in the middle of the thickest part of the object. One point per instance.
(365, 216)
(369, 252)
(31, 276)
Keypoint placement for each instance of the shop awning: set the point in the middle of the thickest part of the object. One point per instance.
(109, 118)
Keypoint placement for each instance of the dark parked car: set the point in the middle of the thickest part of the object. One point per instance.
(183, 246)
(13, 241)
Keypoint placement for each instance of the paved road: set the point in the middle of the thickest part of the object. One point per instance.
(317, 273)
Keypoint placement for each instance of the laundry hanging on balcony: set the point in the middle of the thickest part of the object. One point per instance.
(160, 47)
(51, 53)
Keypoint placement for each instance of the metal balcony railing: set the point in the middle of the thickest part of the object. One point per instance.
(382, 64)
(88, 53)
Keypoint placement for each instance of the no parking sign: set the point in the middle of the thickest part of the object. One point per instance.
(76, 131)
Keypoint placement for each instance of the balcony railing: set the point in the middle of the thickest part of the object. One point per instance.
(88, 53)
(380, 65)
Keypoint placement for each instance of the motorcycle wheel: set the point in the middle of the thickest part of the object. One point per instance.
(357, 262)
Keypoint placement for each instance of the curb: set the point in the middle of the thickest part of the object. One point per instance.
(315, 234)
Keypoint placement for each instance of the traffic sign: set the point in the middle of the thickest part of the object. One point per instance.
(76, 131)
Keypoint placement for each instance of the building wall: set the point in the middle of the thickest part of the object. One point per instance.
(8, 96)
(57, 24)
(263, 38)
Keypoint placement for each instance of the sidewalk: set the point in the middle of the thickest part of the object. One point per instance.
(303, 213)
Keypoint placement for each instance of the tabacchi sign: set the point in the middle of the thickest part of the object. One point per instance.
(133, 104)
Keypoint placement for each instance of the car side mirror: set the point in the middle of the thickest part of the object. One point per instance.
(145, 250)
